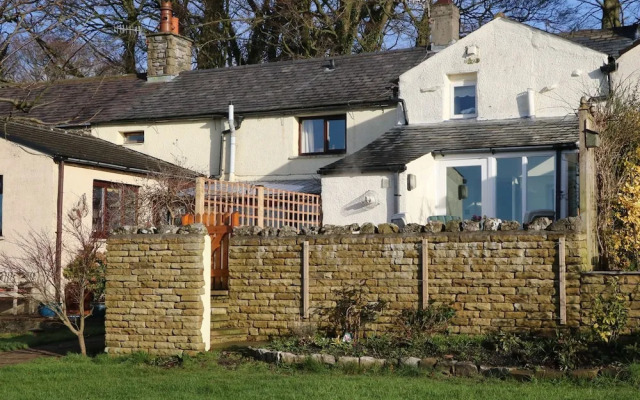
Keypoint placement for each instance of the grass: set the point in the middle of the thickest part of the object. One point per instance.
(13, 341)
(213, 377)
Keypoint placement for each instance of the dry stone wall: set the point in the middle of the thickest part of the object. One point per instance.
(495, 280)
(158, 294)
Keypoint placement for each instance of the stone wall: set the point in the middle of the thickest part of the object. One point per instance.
(169, 54)
(158, 294)
(593, 283)
(495, 280)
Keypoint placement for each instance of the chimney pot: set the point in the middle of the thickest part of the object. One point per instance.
(166, 16)
(446, 23)
(175, 25)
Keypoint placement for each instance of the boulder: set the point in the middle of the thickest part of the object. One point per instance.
(494, 372)
(388, 228)
(470, 226)
(344, 360)
(410, 361)
(353, 228)
(371, 362)
(428, 363)
(268, 232)
(433, 227)
(585, 373)
(287, 231)
(368, 228)
(168, 229)
(549, 374)
(466, 368)
(288, 358)
(452, 226)
(198, 229)
(309, 230)
(521, 375)
(445, 368)
(510, 226)
(571, 224)
(333, 230)
(411, 228)
(246, 230)
(539, 224)
(492, 224)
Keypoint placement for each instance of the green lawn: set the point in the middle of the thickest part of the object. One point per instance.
(104, 378)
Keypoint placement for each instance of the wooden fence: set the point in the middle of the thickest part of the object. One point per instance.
(257, 205)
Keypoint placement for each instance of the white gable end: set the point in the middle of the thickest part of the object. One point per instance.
(503, 59)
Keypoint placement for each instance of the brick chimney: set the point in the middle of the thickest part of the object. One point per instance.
(169, 53)
(445, 28)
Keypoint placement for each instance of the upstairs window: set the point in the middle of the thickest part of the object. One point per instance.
(323, 135)
(114, 205)
(463, 97)
(136, 137)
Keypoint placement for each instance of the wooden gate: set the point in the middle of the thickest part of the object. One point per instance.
(220, 227)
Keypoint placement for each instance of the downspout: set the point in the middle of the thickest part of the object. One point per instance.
(232, 144)
(610, 67)
(558, 184)
(403, 104)
(397, 195)
(58, 259)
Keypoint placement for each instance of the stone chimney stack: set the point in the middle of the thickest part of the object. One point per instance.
(445, 28)
(169, 53)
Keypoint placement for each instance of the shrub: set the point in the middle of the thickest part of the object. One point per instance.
(609, 313)
(432, 319)
(353, 311)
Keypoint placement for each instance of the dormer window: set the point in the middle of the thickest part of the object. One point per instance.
(464, 96)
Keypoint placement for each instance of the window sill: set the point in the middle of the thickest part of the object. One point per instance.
(306, 156)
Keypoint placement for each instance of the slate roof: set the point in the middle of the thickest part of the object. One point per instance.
(83, 148)
(362, 79)
(398, 147)
(610, 41)
(75, 102)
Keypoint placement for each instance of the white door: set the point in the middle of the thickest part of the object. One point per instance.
(464, 189)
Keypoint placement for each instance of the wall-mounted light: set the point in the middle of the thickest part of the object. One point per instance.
(412, 182)
(576, 73)
(384, 183)
(472, 50)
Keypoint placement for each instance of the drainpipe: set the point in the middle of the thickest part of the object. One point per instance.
(58, 259)
(397, 195)
(232, 144)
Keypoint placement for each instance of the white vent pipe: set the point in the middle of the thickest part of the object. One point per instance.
(531, 103)
(232, 144)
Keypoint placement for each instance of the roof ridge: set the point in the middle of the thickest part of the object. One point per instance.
(310, 60)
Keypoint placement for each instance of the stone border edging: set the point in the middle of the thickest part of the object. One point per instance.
(437, 366)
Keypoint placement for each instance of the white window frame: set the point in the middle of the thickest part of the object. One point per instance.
(489, 165)
(462, 81)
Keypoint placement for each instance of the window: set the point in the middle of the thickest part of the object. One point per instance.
(323, 135)
(1, 198)
(136, 137)
(114, 205)
(463, 97)
(508, 187)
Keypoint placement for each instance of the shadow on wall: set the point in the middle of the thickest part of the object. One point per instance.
(367, 201)
(288, 164)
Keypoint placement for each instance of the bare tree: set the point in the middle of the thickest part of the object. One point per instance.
(605, 13)
(83, 274)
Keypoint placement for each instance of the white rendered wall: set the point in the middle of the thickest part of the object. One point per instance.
(511, 58)
(628, 73)
(192, 144)
(29, 194)
(267, 148)
(420, 203)
(343, 198)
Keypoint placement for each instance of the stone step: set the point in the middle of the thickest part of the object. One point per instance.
(228, 332)
(217, 340)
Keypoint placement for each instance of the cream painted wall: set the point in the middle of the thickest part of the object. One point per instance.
(192, 144)
(628, 73)
(343, 198)
(511, 58)
(420, 203)
(29, 198)
(267, 148)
